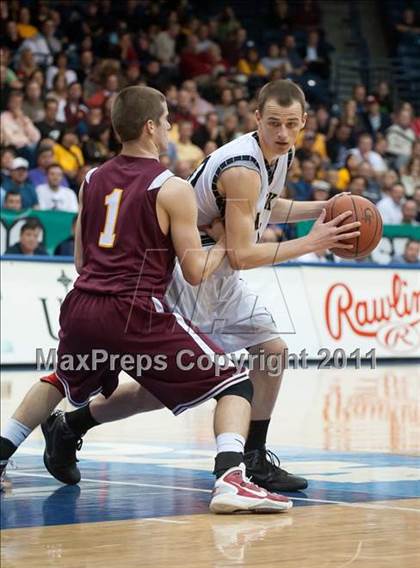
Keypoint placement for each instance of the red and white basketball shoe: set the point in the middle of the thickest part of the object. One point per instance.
(233, 492)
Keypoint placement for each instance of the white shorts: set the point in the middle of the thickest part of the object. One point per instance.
(224, 308)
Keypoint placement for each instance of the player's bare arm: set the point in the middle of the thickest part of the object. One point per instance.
(290, 211)
(177, 213)
(241, 188)
(78, 245)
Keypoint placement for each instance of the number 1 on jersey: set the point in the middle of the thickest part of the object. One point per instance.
(112, 202)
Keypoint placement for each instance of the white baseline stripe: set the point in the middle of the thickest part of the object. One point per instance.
(197, 490)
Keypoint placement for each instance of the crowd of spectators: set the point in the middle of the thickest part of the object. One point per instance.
(62, 64)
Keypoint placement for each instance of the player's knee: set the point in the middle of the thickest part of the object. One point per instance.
(244, 389)
(277, 345)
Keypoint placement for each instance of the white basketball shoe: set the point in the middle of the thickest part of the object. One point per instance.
(233, 492)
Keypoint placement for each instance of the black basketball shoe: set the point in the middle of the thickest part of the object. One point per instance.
(263, 467)
(60, 449)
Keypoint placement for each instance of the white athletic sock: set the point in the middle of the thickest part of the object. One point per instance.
(16, 432)
(230, 442)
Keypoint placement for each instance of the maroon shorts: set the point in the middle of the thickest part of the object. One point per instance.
(102, 335)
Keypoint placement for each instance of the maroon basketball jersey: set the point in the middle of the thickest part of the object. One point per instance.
(124, 249)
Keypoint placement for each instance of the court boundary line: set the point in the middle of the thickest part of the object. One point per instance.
(198, 490)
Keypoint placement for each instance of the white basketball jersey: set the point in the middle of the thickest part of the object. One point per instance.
(244, 151)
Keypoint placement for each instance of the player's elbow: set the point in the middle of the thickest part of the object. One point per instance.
(238, 259)
(193, 275)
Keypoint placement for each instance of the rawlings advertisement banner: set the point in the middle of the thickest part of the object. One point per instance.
(365, 308)
(323, 312)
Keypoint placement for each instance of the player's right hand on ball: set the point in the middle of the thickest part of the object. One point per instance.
(332, 234)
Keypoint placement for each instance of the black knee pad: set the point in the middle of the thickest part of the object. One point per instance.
(245, 389)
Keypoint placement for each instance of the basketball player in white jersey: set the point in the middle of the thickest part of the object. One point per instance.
(242, 182)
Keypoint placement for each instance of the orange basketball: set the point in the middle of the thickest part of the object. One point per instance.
(370, 228)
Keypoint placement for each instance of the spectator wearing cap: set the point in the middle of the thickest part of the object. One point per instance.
(17, 129)
(364, 151)
(373, 119)
(12, 201)
(50, 127)
(390, 207)
(53, 195)
(321, 190)
(29, 240)
(400, 137)
(19, 182)
(411, 254)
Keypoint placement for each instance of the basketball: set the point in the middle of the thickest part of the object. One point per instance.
(370, 229)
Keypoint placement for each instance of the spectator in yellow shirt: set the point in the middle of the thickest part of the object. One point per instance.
(68, 154)
(345, 174)
(24, 27)
(186, 150)
(251, 64)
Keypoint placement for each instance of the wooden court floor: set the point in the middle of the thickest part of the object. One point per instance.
(146, 485)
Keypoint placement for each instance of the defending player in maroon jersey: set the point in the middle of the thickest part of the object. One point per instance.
(134, 218)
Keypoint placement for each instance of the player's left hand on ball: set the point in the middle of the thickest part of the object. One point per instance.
(216, 230)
